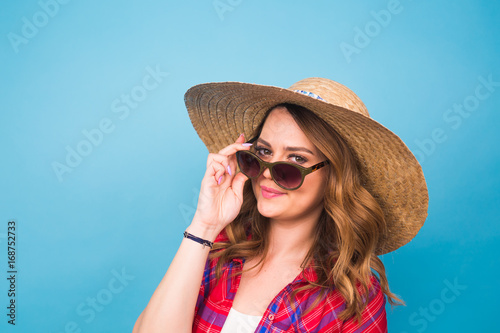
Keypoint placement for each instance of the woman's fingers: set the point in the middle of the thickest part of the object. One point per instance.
(223, 164)
(217, 167)
(221, 192)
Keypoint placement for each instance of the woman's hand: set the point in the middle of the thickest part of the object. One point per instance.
(172, 306)
(221, 193)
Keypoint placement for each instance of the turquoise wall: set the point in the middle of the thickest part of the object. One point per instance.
(100, 165)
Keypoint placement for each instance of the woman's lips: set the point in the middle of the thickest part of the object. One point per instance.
(269, 193)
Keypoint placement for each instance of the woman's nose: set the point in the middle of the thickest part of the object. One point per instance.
(267, 173)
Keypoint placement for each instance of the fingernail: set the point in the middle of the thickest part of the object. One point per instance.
(220, 179)
(247, 144)
(229, 170)
(240, 135)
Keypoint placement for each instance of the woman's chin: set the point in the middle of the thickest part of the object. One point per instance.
(268, 209)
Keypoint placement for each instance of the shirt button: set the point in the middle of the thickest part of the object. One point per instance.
(271, 317)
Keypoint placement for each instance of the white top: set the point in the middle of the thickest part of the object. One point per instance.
(237, 322)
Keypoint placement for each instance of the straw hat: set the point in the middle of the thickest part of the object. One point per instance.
(221, 111)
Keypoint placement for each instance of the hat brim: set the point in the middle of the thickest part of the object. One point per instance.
(220, 111)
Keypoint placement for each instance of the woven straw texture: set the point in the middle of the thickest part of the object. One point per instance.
(219, 112)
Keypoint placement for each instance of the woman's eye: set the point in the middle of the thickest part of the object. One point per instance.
(299, 159)
(262, 151)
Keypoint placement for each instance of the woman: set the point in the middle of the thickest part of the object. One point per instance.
(295, 247)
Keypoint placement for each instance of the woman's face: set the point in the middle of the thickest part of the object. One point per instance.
(279, 132)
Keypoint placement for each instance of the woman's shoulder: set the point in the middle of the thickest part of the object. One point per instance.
(374, 290)
(328, 304)
(373, 315)
(215, 256)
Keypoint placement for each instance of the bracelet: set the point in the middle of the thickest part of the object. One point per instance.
(202, 241)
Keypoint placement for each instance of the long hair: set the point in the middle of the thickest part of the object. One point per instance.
(345, 236)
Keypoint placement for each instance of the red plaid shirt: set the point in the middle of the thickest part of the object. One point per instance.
(216, 298)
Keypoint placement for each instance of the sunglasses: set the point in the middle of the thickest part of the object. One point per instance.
(286, 175)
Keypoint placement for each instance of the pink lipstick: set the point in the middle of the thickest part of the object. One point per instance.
(269, 193)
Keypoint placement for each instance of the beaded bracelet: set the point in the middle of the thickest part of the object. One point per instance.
(202, 241)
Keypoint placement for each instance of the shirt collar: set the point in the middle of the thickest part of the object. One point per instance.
(307, 275)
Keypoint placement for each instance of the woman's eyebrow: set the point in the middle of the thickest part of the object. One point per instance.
(288, 148)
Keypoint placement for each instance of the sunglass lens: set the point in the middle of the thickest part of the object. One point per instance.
(287, 176)
(249, 165)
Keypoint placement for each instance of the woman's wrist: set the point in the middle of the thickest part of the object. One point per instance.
(202, 230)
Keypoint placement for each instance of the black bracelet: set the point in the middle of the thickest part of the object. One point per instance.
(202, 241)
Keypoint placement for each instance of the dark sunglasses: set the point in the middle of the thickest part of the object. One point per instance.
(286, 175)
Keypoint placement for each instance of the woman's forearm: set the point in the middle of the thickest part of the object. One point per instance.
(171, 308)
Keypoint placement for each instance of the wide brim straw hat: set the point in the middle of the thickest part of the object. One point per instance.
(220, 111)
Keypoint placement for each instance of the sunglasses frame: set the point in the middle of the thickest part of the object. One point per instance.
(263, 165)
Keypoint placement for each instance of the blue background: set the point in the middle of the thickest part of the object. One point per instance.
(122, 209)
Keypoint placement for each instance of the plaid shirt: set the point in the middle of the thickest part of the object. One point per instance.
(216, 298)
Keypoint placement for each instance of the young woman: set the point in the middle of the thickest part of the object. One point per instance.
(290, 242)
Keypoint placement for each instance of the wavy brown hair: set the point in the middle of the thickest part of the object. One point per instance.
(346, 234)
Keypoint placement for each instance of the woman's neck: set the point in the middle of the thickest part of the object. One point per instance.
(289, 240)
